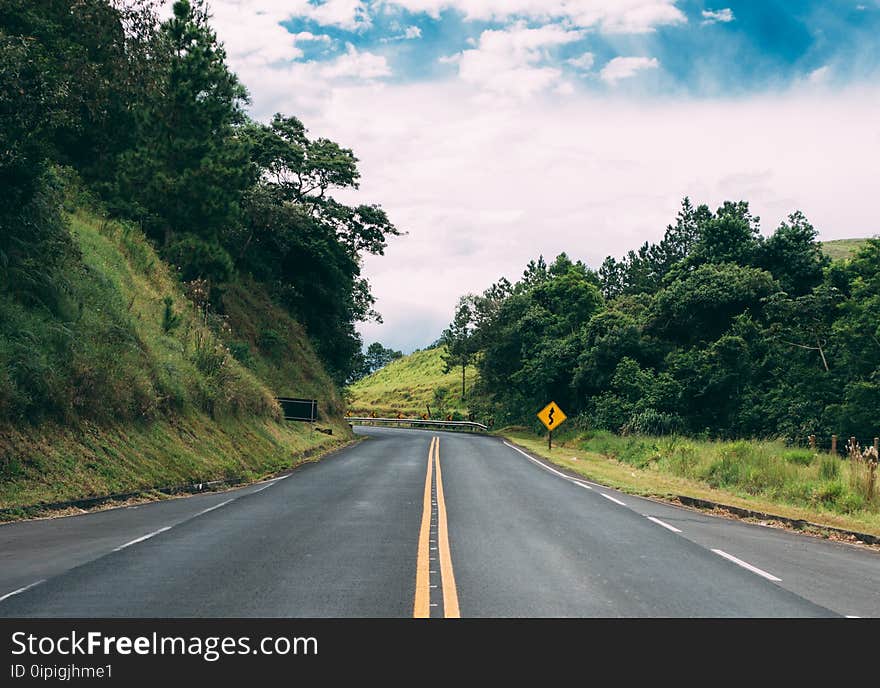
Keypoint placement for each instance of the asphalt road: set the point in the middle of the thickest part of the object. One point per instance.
(405, 525)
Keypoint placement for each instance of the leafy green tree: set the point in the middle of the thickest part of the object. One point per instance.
(713, 330)
(374, 358)
(731, 235)
(459, 338)
(189, 168)
(529, 339)
(72, 73)
(608, 337)
(307, 246)
(680, 239)
(701, 305)
(804, 322)
(857, 334)
(379, 356)
(793, 256)
(612, 275)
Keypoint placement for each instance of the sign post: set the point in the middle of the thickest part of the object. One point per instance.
(551, 416)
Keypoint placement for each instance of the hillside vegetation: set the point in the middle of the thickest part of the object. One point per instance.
(717, 331)
(138, 388)
(168, 265)
(839, 249)
(411, 385)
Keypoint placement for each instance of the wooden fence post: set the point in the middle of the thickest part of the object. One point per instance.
(833, 444)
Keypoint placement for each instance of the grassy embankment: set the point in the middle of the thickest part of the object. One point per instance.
(137, 391)
(410, 385)
(762, 476)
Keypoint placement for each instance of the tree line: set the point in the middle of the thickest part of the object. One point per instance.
(715, 331)
(148, 116)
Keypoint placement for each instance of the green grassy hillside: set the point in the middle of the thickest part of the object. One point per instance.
(841, 248)
(269, 343)
(410, 385)
(129, 386)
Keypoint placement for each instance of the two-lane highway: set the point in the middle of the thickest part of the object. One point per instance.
(413, 523)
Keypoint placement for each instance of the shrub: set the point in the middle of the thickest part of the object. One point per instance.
(208, 356)
(800, 457)
(270, 341)
(831, 493)
(199, 259)
(682, 458)
(829, 467)
(653, 422)
(724, 472)
(850, 503)
(170, 319)
(863, 479)
(611, 412)
(241, 352)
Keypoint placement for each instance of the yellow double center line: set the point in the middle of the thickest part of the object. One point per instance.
(422, 604)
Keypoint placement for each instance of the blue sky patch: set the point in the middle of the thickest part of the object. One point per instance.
(729, 48)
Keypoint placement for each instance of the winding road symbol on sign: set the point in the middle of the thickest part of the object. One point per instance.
(551, 416)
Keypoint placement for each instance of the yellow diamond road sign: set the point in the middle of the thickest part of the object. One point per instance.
(551, 416)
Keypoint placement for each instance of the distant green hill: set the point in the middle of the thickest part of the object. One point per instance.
(841, 248)
(410, 385)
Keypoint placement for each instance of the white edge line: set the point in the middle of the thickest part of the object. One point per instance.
(21, 590)
(142, 538)
(582, 483)
(746, 565)
(616, 501)
(850, 616)
(262, 488)
(665, 525)
(211, 508)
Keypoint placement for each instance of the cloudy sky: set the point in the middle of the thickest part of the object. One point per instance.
(494, 131)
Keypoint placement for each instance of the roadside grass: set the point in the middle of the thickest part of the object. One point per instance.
(131, 347)
(265, 340)
(763, 476)
(410, 385)
(132, 389)
(54, 463)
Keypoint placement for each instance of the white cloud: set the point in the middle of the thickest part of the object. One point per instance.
(611, 16)
(268, 61)
(483, 182)
(409, 34)
(714, 16)
(355, 64)
(509, 61)
(251, 30)
(346, 14)
(820, 75)
(584, 62)
(484, 188)
(309, 36)
(626, 67)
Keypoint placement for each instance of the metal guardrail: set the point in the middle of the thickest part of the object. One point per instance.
(418, 421)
